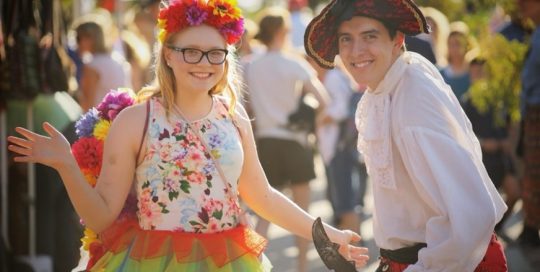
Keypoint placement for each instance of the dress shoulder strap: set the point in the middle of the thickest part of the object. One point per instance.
(232, 115)
(144, 129)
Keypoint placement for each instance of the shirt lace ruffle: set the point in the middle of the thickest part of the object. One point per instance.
(373, 124)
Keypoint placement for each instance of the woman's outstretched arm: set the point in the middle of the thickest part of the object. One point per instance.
(271, 204)
(100, 206)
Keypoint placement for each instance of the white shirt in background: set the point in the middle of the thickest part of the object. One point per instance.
(275, 82)
(114, 72)
(339, 86)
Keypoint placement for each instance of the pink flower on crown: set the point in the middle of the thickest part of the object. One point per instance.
(195, 15)
(233, 30)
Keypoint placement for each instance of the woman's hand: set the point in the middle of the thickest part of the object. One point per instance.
(53, 151)
(351, 252)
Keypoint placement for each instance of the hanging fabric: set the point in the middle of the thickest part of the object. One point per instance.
(22, 51)
(55, 60)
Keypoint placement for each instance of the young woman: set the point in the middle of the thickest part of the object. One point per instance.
(197, 155)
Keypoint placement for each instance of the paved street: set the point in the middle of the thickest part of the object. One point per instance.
(281, 250)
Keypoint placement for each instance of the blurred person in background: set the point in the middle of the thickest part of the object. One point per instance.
(137, 55)
(276, 81)
(337, 137)
(438, 37)
(145, 20)
(300, 17)
(516, 28)
(103, 70)
(495, 143)
(249, 47)
(139, 36)
(460, 47)
(530, 113)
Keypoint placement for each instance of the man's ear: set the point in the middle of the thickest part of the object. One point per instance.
(399, 40)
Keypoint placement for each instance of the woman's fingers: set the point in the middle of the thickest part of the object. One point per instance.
(20, 150)
(355, 251)
(23, 159)
(19, 141)
(32, 147)
(355, 237)
(27, 133)
(53, 132)
(359, 255)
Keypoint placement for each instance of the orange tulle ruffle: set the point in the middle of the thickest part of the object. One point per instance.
(222, 247)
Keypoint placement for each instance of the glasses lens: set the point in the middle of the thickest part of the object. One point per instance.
(192, 55)
(216, 56)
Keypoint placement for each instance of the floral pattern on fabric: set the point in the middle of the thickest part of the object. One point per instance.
(179, 187)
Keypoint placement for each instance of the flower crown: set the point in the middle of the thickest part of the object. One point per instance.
(224, 15)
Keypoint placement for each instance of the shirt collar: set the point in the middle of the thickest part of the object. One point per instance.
(393, 75)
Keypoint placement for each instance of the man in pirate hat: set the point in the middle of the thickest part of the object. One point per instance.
(435, 206)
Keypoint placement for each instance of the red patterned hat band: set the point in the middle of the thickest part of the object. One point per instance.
(224, 15)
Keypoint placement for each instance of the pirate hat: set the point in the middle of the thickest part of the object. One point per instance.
(320, 39)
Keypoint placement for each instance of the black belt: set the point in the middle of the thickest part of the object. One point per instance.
(405, 255)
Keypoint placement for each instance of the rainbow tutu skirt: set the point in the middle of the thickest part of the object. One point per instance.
(126, 247)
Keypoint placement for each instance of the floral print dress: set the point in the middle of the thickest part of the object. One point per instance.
(187, 218)
(178, 186)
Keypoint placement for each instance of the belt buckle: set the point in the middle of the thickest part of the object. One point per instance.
(384, 266)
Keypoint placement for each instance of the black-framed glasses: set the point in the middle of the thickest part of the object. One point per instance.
(194, 55)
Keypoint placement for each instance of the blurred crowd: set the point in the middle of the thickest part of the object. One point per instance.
(299, 110)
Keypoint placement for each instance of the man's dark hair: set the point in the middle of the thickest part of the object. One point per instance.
(348, 14)
(345, 12)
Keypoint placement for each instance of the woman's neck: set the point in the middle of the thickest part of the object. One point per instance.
(459, 66)
(193, 107)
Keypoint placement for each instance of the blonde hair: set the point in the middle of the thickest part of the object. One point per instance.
(164, 84)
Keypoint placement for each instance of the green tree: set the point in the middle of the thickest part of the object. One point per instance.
(453, 9)
(501, 87)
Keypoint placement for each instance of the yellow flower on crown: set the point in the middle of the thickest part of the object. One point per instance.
(162, 34)
(101, 129)
(225, 8)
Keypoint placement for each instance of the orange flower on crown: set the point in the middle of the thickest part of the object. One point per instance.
(224, 15)
(226, 9)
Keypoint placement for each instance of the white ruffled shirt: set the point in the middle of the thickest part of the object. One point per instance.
(425, 164)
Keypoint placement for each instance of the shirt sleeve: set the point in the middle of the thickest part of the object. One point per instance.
(340, 90)
(451, 182)
(303, 70)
